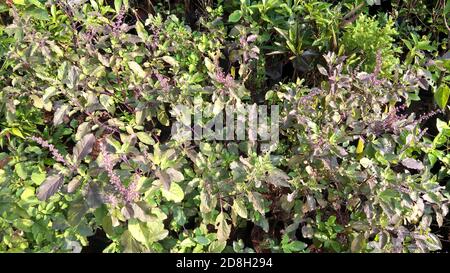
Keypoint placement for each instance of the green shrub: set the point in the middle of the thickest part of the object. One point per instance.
(87, 99)
(365, 37)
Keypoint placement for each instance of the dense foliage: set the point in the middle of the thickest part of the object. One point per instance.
(89, 91)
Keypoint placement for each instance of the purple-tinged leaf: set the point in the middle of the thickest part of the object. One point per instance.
(322, 70)
(164, 177)
(311, 203)
(130, 244)
(252, 38)
(50, 187)
(73, 184)
(307, 231)
(94, 198)
(257, 201)
(127, 211)
(83, 147)
(59, 114)
(412, 164)
(83, 129)
(72, 77)
(358, 243)
(278, 178)
(142, 211)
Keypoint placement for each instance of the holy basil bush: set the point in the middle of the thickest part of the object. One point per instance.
(88, 94)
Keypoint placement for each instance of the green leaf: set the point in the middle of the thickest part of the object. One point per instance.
(117, 5)
(140, 117)
(218, 106)
(94, 4)
(202, 240)
(235, 16)
(447, 8)
(442, 125)
(137, 69)
(223, 228)
(142, 33)
(3, 8)
(17, 132)
(388, 194)
(162, 117)
(175, 193)
(441, 95)
(239, 208)
(28, 194)
(38, 177)
(51, 91)
(76, 212)
(137, 230)
(20, 171)
(156, 231)
(432, 158)
(37, 3)
(209, 65)
(107, 102)
(19, 2)
(37, 13)
(217, 246)
(23, 224)
(170, 60)
(145, 138)
(38, 102)
(263, 223)
(297, 246)
(147, 233)
(365, 162)
(360, 147)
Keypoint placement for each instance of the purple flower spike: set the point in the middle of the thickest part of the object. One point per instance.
(58, 157)
(127, 194)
